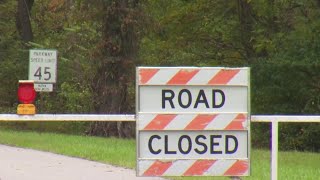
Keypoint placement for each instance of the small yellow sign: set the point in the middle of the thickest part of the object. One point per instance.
(26, 109)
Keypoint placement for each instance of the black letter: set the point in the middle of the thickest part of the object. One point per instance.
(201, 99)
(164, 98)
(189, 98)
(189, 144)
(228, 151)
(214, 144)
(223, 98)
(166, 146)
(150, 144)
(205, 148)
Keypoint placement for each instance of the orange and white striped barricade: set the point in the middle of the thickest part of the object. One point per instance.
(193, 121)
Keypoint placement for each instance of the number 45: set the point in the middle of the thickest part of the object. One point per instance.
(46, 72)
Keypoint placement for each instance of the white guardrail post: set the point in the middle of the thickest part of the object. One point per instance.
(273, 119)
(274, 150)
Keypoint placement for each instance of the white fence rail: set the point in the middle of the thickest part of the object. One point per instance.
(68, 117)
(283, 118)
(273, 119)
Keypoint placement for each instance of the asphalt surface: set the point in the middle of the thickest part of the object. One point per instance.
(27, 164)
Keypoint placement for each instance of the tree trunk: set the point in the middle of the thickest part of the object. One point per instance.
(23, 19)
(246, 23)
(115, 62)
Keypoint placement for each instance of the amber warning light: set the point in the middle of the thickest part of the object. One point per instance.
(26, 97)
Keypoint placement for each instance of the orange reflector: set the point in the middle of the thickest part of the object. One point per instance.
(26, 109)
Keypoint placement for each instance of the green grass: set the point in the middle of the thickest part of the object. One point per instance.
(121, 152)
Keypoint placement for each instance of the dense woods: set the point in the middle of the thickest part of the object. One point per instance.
(100, 42)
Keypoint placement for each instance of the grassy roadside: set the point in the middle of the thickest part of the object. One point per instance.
(121, 152)
(107, 150)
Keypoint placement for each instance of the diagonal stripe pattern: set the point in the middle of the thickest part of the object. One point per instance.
(223, 121)
(185, 167)
(196, 76)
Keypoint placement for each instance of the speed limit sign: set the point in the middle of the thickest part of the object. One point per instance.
(43, 66)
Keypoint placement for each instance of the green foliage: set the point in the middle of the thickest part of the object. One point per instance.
(72, 30)
(286, 88)
(12, 53)
(287, 81)
(76, 101)
(284, 63)
(191, 33)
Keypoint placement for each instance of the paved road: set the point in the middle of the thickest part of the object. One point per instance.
(26, 164)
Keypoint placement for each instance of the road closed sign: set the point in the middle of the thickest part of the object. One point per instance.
(193, 121)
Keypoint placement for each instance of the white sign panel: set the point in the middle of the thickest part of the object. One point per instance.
(193, 99)
(193, 144)
(43, 65)
(43, 87)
